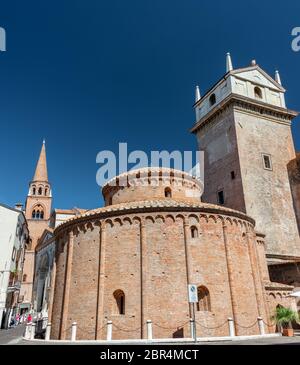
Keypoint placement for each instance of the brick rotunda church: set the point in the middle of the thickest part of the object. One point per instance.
(132, 260)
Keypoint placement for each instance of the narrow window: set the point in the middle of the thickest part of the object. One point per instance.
(212, 99)
(46, 191)
(33, 191)
(232, 175)
(194, 232)
(257, 92)
(120, 301)
(33, 214)
(221, 199)
(203, 299)
(168, 193)
(40, 191)
(37, 214)
(267, 162)
(42, 215)
(24, 277)
(13, 256)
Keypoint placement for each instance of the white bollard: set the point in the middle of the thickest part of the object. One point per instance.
(149, 329)
(73, 331)
(192, 328)
(32, 332)
(261, 325)
(48, 331)
(231, 327)
(28, 331)
(109, 331)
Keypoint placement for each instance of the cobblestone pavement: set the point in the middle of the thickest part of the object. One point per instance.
(13, 336)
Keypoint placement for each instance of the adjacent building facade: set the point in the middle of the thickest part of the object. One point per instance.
(45, 269)
(14, 237)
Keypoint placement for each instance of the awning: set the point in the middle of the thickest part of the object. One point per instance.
(24, 305)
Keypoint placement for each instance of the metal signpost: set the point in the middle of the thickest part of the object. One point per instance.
(193, 298)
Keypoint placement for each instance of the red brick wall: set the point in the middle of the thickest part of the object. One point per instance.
(151, 269)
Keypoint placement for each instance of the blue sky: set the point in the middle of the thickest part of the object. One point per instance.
(86, 75)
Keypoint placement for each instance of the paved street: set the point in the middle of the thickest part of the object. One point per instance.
(14, 337)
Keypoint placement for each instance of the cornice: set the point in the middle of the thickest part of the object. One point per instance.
(248, 105)
(151, 206)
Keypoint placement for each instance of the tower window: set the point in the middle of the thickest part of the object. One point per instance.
(212, 99)
(203, 299)
(33, 191)
(38, 212)
(120, 301)
(46, 191)
(168, 193)
(194, 232)
(257, 92)
(267, 162)
(221, 199)
(232, 175)
(40, 191)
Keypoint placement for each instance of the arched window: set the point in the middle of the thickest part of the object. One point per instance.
(257, 92)
(38, 212)
(40, 191)
(168, 193)
(33, 190)
(203, 299)
(212, 99)
(120, 301)
(46, 191)
(194, 232)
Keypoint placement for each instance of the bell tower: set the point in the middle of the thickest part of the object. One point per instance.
(244, 128)
(39, 198)
(37, 213)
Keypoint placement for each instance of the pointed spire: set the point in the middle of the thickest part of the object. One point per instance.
(277, 77)
(41, 173)
(228, 62)
(197, 94)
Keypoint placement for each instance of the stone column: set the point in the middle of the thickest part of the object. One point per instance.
(187, 259)
(68, 274)
(143, 273)
(101, 279)
(230, 276)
